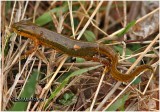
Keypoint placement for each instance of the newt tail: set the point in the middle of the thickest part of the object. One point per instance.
(115, 73)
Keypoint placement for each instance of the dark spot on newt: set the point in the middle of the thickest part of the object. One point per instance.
(33, 28)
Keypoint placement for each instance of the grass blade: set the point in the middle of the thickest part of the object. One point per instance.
(65, 81)
(27, 93)
(46, 17)
(119, 103)
(126, 29)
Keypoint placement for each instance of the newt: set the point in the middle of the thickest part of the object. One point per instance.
(76, 48)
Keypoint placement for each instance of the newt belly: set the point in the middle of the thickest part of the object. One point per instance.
(86, 50)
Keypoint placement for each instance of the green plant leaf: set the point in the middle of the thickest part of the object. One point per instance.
(89, 35)
(68, 99)
(8, 6)
(64, 76)
(128, 52)
(27, 93)
(119, 103)
(126, 29)
(46, 17)
(79, 60)
(137, 81)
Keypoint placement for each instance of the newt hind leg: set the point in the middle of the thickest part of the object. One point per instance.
(104, 61)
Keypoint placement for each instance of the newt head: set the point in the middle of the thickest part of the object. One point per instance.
(16, 28)
(19, 26)
(24, 28)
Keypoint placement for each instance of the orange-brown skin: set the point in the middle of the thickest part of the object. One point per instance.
(86, 50)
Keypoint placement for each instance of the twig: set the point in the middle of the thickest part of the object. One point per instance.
(90, 19)
(71, 17)
(24, 10)
(98, 88)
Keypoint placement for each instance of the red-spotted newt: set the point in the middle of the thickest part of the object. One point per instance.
(86, 50)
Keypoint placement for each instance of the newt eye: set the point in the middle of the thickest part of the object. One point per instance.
(19, 29)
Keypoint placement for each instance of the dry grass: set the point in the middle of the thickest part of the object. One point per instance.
(92, 88)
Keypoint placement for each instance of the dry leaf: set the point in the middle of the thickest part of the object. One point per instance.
(151, 104)
(147, 26)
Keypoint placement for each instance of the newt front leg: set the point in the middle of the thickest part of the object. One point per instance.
(35, 48)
